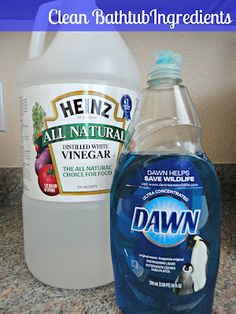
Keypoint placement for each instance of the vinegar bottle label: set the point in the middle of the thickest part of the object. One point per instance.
(72, 135)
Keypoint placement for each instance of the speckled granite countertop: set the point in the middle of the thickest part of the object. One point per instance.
(22, 293)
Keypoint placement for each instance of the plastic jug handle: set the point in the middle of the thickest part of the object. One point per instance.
(38, 37)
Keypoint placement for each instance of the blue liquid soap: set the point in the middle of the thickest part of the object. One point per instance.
(165, 204)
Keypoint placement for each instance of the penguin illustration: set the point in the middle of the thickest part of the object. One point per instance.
(186, 281)
(199, 260)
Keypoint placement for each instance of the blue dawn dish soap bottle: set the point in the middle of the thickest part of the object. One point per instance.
(165, 204)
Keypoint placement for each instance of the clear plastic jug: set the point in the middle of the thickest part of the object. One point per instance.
(66, 219)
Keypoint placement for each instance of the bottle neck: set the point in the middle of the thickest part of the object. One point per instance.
(166, 120)
(163, 81)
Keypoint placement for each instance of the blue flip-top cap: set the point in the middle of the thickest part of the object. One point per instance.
(167, 65)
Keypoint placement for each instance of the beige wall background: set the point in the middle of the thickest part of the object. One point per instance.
(209, 71)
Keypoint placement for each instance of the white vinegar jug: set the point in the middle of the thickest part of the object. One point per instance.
(77, 99)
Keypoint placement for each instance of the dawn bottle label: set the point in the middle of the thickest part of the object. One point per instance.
(72, 135)
(163, 211)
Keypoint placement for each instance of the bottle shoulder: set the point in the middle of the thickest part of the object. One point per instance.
(83, 57)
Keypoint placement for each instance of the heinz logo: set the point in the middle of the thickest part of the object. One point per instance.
(165, 221)
(86, 105)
